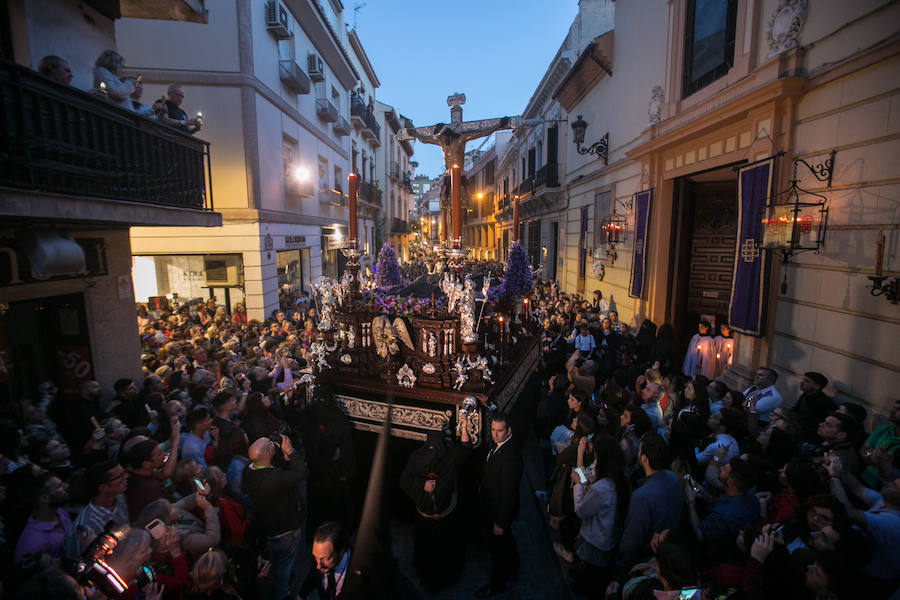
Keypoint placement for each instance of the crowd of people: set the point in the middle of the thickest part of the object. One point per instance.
(217, 476)
(664, 482)
(215, 473)
(111, 84)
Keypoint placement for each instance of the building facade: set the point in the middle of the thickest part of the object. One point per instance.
(685, 117)
(533, 165)
(277, 107)
(396, 180)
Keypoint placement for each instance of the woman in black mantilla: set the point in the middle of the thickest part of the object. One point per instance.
(430, 480)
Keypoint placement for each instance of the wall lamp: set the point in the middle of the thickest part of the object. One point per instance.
(798, 224)
(601, 148)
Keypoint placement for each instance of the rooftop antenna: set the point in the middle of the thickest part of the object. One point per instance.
(356, 8)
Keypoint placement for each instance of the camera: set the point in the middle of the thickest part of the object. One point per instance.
(92, 568)
(275, 436)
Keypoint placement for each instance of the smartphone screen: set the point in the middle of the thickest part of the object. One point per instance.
(580, 472)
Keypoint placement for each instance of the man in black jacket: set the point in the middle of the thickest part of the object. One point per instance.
(500, 505)
(275, 493)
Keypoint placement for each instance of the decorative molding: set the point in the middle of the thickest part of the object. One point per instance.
(784, 26)
(654, 111)
(368, 415)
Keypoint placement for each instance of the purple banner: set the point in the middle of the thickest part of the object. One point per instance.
(750, 278)
(641, 231)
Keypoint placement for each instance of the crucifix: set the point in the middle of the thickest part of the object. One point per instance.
(452, 138)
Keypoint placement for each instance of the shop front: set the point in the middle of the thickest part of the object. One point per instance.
(175, 280)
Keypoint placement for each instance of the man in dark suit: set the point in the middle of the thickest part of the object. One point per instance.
(331, 554)
(500, 505)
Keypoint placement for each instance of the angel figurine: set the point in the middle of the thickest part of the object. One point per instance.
(460, 374)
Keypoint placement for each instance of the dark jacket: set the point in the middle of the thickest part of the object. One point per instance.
(275, 493)
(500, 485)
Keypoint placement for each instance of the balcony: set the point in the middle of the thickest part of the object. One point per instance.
(365, 120)
(59, 140)
(293, 77)
(369, 192)
(341, 127)
(527, 186)
(547, 176)
(326, 111)
(399, 226)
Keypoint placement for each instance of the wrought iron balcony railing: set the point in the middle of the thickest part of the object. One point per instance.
(368, 192)
(359, 110)
(548, 175)
(60, 140)
(527, 186)
(327, 111)
(399, 225)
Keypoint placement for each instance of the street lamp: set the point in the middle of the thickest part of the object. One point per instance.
(601, 148)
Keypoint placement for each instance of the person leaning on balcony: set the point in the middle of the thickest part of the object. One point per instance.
(109, 81)
(169, 111)
(55, 68)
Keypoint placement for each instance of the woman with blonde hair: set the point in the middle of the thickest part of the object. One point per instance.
(109, 80)
(211, 577)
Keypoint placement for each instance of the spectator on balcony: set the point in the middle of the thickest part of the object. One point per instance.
(169, 111)
(109, 81)
(55, 68)
(136, 104)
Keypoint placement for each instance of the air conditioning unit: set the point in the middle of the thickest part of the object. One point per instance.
(222, 271)
(315, 67)
(277, 20)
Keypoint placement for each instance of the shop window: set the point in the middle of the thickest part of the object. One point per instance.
(709, 36)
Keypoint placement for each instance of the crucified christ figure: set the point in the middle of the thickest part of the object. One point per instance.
(452, 138)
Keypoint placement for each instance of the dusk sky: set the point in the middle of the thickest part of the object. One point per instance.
(494, 51)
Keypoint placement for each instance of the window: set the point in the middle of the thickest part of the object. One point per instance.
(709, 34)
(336, 99)
(534, 242)
(540, 153)
(323, 180)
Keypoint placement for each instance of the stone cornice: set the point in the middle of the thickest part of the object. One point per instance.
(731, 104)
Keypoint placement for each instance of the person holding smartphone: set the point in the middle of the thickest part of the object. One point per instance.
(600, 497)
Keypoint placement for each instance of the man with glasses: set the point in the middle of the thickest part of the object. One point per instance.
(106, 482)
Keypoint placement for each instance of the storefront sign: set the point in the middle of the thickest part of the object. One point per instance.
(294, 241)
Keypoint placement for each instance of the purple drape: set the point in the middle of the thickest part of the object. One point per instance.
(750, 278)
(641, 231)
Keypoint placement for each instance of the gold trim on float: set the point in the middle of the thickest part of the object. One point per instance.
(852, 355)
(854, 313)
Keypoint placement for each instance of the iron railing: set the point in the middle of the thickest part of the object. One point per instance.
(327, 111)
(60, 140)
(368, 192)
(527, 186)
(399, 225)
(358, 109)
(547, 175)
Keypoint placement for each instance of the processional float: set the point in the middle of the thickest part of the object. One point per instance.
(452, 341)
